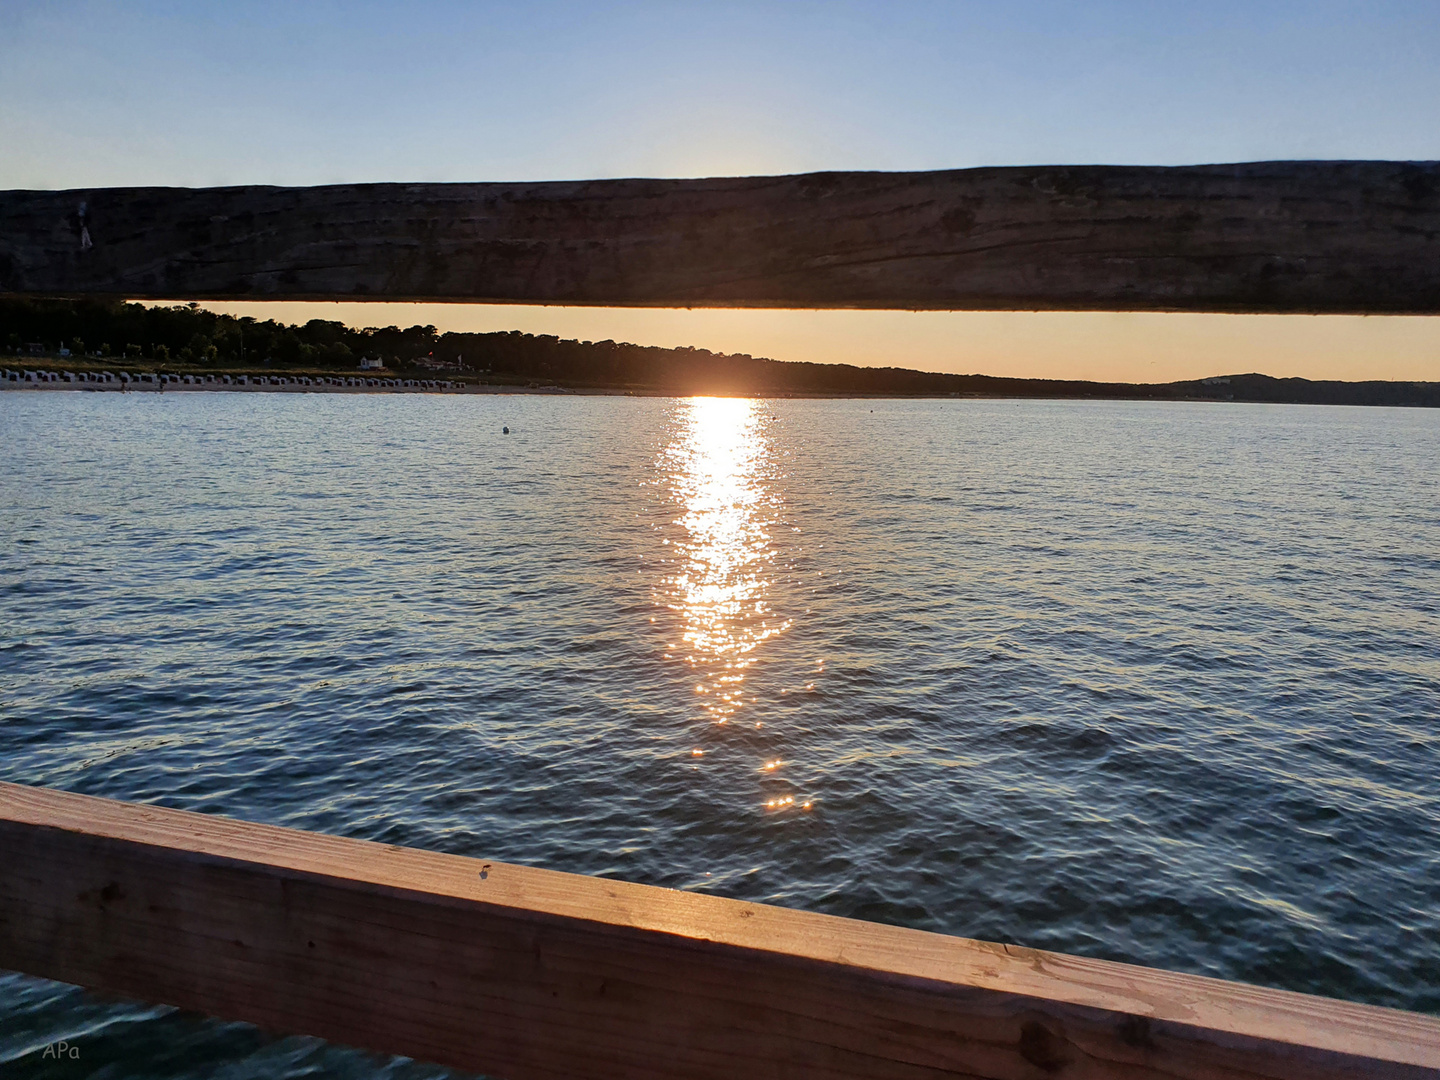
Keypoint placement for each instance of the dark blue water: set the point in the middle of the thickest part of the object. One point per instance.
(1152, 682)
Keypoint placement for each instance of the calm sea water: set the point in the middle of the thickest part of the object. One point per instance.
(1152, 682)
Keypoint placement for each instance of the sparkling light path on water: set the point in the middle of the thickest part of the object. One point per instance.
(722, 473)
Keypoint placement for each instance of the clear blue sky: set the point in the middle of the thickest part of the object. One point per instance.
(96, 93)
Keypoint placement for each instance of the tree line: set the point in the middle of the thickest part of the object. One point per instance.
(190, 336)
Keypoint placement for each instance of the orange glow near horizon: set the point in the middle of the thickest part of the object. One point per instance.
(1104, 346)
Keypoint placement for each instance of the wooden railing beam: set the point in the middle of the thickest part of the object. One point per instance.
(524, 973)
(1358, 236)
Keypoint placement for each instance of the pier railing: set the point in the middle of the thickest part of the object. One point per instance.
(1282, 236)
(524, 973)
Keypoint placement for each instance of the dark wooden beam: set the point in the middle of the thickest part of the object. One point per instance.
(1270, 237)
(524, 973)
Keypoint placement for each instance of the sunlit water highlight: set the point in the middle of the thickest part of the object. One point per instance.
(1152, 682)
(719, 468)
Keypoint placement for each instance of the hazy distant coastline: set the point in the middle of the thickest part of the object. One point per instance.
(89, 337)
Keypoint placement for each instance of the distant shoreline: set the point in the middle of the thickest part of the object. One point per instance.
(189, 342)
(1253, 389)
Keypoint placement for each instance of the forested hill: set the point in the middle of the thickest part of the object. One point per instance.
(191, 338)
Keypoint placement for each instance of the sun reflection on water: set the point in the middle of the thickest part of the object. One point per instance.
(718, 466)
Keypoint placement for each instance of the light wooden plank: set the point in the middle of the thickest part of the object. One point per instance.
(526, 973)
(1287, 236)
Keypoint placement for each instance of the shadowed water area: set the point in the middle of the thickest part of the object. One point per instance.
(1151, 682)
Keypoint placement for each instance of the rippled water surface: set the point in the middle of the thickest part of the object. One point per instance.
(1152, 682)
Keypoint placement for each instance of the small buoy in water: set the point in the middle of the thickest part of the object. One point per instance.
(504, 431)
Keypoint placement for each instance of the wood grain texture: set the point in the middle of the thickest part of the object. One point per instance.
(524, 973)
(1263, 237)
